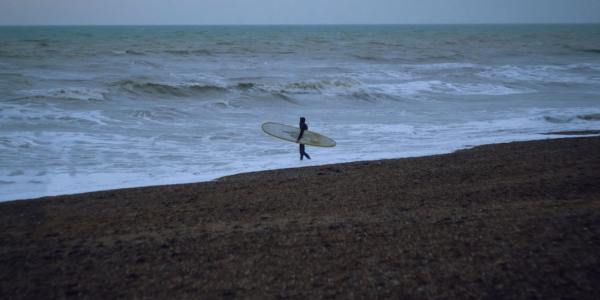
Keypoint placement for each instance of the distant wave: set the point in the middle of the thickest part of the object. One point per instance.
(128, 52)
(442, 66)
(72, 93)
(372, 95)
(412, 88)
(190, 89)
(171, 89)
(590, 117)
(584, 66)
(340, 87)
(198, 52)
(595, 51)
(308, 86)
(175, 52)
(393, 91)
(559, 119)
(369, 57)
(582, 49)
(245, 85)
(134, 52)
(539, 73)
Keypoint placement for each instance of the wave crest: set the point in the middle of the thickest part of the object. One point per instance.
(542, 73)
(559, 119)
(76, 93)
(161, 88)
(439, 87)
(301, 87)
(590, 117)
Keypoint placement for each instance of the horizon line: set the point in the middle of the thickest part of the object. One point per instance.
(313, 24)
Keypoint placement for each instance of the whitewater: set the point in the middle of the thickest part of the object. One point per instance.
(104, 107)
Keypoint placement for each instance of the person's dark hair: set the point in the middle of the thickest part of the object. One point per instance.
(302, 119)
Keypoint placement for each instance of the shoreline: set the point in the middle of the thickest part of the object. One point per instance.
(563, 135)
(513, 220)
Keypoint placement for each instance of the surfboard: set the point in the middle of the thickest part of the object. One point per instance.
(290, 134)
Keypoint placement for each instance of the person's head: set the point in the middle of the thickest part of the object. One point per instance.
(302, 120)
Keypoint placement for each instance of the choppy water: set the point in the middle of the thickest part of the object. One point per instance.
(88, 108)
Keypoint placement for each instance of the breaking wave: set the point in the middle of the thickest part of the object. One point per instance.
(590, 117)
(308, 86)
(560, 119)
(168, 89)
(75, 93)
(594, 51)
(543, 73)
(185, 89)
(439, 87)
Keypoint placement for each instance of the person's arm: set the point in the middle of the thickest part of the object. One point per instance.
(301, 133)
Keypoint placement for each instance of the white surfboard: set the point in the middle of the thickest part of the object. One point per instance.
(290, 134)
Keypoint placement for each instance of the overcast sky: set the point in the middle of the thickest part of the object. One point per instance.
(112, 12)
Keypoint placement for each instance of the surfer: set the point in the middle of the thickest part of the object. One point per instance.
(303, 127)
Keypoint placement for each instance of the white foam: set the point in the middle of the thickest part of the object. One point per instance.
(51, 163)
(46, 116)
(198, 79)
(439, 87)
(484, 89)
(441, 66)
(382, 75)
(592, 66)
(550, 74)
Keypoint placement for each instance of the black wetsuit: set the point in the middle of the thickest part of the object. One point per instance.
(303, 153)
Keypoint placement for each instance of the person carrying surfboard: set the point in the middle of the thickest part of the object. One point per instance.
(303, 127)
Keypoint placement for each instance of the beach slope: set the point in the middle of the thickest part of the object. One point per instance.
(515, 220)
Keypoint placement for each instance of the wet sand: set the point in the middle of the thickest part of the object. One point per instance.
(516, 220)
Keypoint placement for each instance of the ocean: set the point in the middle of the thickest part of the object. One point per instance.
(103, 107)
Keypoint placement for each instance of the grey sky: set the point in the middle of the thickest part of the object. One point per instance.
(105, 12)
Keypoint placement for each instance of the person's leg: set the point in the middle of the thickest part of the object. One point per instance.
(303, 152)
